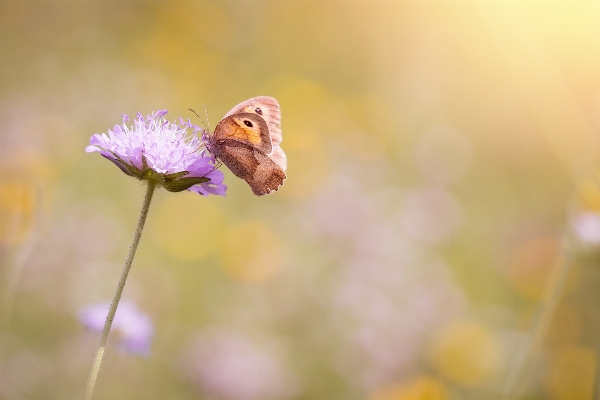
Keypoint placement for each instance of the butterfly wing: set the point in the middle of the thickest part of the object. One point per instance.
(249, 163)
(268, 108)
(247, 128)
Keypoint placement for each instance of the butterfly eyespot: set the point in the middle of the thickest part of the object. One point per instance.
(248, 123)
(258, 110)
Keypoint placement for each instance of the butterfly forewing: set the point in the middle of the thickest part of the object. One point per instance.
(246, 128)
(268, 108)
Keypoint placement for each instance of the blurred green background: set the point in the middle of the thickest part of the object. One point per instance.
(439, 154)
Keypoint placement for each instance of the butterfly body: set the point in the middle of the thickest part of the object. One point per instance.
(247, 142)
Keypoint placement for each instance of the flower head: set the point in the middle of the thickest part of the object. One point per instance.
(162, 151)
(133, 327)
(587, 227)
(230, 365)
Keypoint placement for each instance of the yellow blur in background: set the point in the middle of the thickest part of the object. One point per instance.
(436, 237)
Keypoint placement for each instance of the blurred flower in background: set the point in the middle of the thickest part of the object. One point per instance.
(420, 387)
(587, 226)
(131, 327)
(466, 353)
(230, 366)
(18, 203)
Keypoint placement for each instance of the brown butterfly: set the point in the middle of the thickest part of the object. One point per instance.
(247, 141)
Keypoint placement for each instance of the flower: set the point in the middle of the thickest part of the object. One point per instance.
(587, 227)
(229, 365)
(133, 327)
(162, 151)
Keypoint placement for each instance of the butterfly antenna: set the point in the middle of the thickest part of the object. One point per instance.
(201, 120)
(203, 145)
(207, 120)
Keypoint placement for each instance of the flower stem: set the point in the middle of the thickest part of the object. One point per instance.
(117, 297)
(525, 357)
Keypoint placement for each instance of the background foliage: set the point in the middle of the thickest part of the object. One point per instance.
(438, 152)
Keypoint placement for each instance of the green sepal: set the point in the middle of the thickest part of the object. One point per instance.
(126, 167)
(176, 175)
(149, 174)
(175, 182)
(133, 170)
(182, 184)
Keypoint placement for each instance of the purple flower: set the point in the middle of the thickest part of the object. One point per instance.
(231, 366)
(162, 151)
(132, 326)
(587, 227)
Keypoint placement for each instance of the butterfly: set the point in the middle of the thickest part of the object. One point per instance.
(247, 141)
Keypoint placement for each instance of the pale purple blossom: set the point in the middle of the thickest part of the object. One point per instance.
(587, 227)
(230, 366)
(132, 327)
(383, 313)
(154, 148)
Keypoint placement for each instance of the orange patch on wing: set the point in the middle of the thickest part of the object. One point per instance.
(245, 133)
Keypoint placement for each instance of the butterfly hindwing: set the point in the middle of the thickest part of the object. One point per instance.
(259, 171)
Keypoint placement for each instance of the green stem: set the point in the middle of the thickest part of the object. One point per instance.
(117, 297)
(520, 371)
